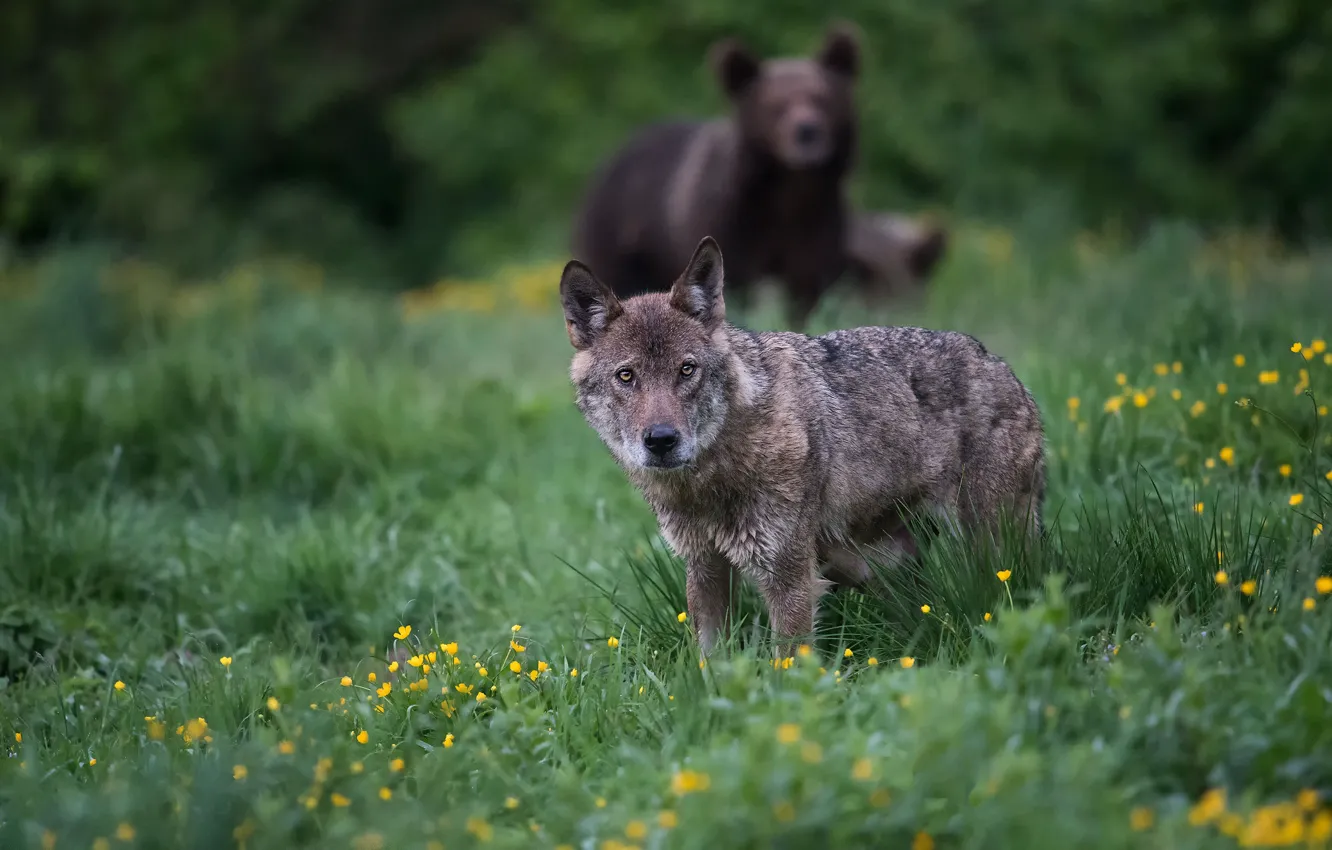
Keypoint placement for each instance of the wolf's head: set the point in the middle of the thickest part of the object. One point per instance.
(651, 372)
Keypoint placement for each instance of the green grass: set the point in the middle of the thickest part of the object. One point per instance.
(287, 480)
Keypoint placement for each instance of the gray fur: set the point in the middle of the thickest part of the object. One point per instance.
(794, 450)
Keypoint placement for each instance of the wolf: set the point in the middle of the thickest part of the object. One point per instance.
(773, 457)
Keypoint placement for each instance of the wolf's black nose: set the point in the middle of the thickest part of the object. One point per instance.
(660, 439)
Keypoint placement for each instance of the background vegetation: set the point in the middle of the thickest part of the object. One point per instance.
(418, 137)
(290, 560)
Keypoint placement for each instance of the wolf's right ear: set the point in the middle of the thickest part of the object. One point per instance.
(734, 66)
(589, 305)
(698, 292)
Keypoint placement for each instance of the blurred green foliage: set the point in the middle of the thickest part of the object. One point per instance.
(421, 137)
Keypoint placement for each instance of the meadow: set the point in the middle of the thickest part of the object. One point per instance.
(288, 563)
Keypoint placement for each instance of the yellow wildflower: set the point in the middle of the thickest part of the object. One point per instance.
(908, 662)
(987, 616)
(340, 801)
(225, 660)
(922, 841)
(1177, 367)
(681, 617)
(924, 609)
(1323, 585)
(612, 641)
(1177, 394)
(450, 648)
(1139, 399)
(1198, 508)
(125, 832)
(788, 733)
(1248, 587)
(384, 689)
(872, 661)
(636, 830)
(510, 802)
(415, 661)
(668, 820)
(286, 747)
(1121, 379)
(862, 770)
(1221, 577)
(1141, 819)
(689, 781)
(363, 737)
(402, 632)
(273, 704)
(1227, 455)
(515, 666)
(371, 677)
(119, 685)
(1296, 499)
(1208, 808)
(1309, 603)
(385, 793)
(1161, 369)
(481, 696)
(1004, 575)
(1199, 407)
(1222, 388)
(1296, 347)
(1113, 404)
(1269, 377)
(573, 673)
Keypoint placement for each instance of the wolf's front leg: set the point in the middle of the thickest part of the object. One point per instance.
(708, 580)
(791, 590)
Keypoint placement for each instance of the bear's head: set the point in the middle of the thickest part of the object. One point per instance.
(801, 111)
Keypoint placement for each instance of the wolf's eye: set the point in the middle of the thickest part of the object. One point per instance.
(687, 369)
(625, 375)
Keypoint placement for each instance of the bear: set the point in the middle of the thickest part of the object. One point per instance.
(766, 181)
(892, 256)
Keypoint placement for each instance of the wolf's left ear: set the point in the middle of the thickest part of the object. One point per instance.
(841, 49)
(589, 305)
(698, 292)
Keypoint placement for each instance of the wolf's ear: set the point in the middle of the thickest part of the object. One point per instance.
(698, 292)
(734, 66)
(589, 305)
(841, 50)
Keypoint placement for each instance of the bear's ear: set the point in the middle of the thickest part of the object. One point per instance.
(927, 251)
(734, 66)
(589, 305)
(698, 292)
(841, 50)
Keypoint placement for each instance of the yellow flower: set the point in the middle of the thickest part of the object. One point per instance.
(1210, 463)
(600, 802)
(384, 689)
(1318, 529)
(450, 648)
(448, 740)
(872, 661)
(1328, 475)
(1239, 360)
(573, 673)
(1323, 585)
(922, 841)
(636, 830)
(371, 677)
(689, 782)
(1269, 377)
(515, 628)
(1198, 508)
(1121, 379)
(510, 802)
(481, 696)
(1176, 394)
(783, 811)
(1141, 819)
(286, 747)
(363, 737)
(100, 843)
(225, 660)
(1198, 408)
(612, 641)
(1284, 470)
(1222, 388)
(908, 662)
(125, 832)
(1227, 455)
(397, 765)
(1297, 347)
(1296, 499)
(515, 667)
(1309, 603)
(393, 667)
(1248, 587)
(988, 616)
(1113, 404)
(1140, 399)
(483, 671)
(385, 793)
(239, 772)
(1073, 404)
(1318, 346)
(402, 632)
(681, 617)
(1004, 575)
(862, 770)
(1221, 577)
(340, 801)
(273, 704)
(463, 688)
(1307, 799)
(415, 661)
(119, 685)
(1208, 808)
(18, 737)
(668, 820)
(1161, 369)
(532, 674)
(924, 609)
(513, 644)
(1177, 367)
(788, 733)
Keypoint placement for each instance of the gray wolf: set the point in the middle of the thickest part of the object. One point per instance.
(773, 456)
(767, 180)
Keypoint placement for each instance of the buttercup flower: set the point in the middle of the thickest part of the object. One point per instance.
(402, 632)
(908, 662)
(225, 660)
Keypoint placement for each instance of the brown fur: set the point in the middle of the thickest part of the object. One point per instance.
(767, 180)
(788, 451)
(892, 256)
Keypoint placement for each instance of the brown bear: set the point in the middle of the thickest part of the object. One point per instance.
(892, 256)
(767, 181)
